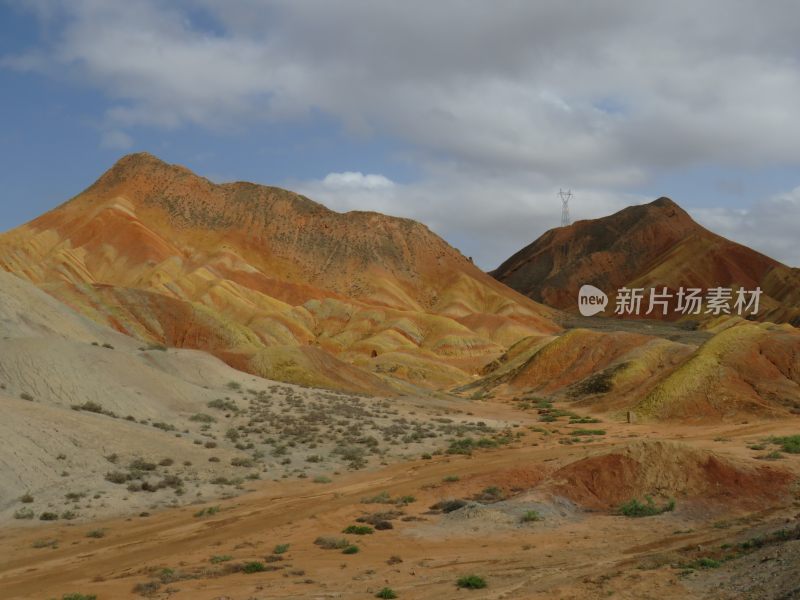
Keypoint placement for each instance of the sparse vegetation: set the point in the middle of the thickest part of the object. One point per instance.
(253, 567)
(207, 512)
(350, 550)
(589, 432)
(471, 582)
(386, 593)
(96, 533)
(448, 506)
(531, 516)
(358, 530)
(331, 543)
(789, 444)
(216, 559)
(635, 508)
(280, 549)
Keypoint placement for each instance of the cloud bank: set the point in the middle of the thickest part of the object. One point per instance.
(500, 105)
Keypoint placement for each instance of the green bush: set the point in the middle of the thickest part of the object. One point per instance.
(705, 563)
(358, 530)
(350, 550)
(253, 567)
(386, 593)
(77, 596)
(789, 444)
(589, 432)
(634, 508)
(202, 418)
(531, 516)
(280, 549)
(216, 559)
(471, 582)
(331, 543)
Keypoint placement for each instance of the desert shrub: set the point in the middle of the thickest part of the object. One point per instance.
(358, 529)
(448, 506)
(322, 479)
(48, 516)
(490, 494)
(280, 549)
(207, 512)
(704, 563)
(385, 593)
(117, 477)
(96, 533)
(26, 498)
(350, 550)
(24, 513)
(382, 498)
(77, 596)
(140, 464)
(331, 543)
(461, 446)
(634, 508)
(471, 582)
(146, 588)
(202, 418)
(164, 426)
(531, 516)
(26, 396)
(451, 479)
(589, 432)
(233, 385)
(789, 444)
(220, 404)
(216, 559)
(241, 461)
(253, 567)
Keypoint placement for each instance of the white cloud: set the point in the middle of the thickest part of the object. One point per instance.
(769, 226)
(522, 88)
(116, 140)
(499, 107)
(357, 180)
(487, 219)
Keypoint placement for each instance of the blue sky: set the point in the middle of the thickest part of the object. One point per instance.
(464, 117)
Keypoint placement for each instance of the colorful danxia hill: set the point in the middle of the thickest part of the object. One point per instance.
(270, 281)
(655, 245)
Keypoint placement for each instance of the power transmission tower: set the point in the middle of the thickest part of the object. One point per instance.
(565, 198)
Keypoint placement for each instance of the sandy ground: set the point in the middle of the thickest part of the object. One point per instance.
(571, 553)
